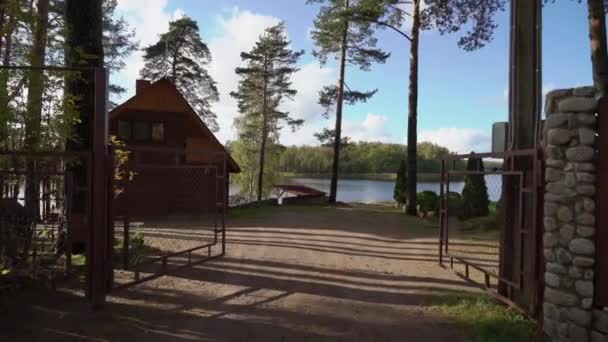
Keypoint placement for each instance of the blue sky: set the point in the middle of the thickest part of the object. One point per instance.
(461, 93)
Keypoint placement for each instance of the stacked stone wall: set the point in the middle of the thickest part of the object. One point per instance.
(570, 216)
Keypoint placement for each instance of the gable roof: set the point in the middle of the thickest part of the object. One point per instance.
(160, 103)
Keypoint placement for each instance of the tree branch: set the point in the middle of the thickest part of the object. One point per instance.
(385, 24)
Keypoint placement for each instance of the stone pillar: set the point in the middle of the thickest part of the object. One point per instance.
(569, 216)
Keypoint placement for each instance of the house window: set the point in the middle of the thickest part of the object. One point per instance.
(141, 131)
(158, 132)
(124, 130)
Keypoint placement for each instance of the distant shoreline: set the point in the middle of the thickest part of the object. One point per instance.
(387, 177)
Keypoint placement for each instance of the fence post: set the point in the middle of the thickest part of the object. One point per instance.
(99, 261)
(125, 243)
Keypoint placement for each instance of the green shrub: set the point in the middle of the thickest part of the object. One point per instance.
(400, 192)
(455, 204)
(427, 201)
(486, 223)
(475, 192)
(485, 320)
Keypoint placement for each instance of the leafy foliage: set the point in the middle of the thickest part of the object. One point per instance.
(264, 85)
(400, 192)
(455, 204)
(327, 138)
(333, 17)
(247, 156)
(337, 33)
(452, 16)
(182, 56)
(427, 201)
(328, 97)
(122, 173)
(360, 158)
(475, 193)
(118, 41)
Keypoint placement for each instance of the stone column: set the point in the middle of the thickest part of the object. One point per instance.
(569, 216)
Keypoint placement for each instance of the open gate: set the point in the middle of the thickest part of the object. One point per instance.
(168, 211)
(500, 248)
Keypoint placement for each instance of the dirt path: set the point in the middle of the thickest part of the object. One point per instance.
(291, 275)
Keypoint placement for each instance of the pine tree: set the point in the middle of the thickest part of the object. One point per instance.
(599, 50)
(327, 138)
(475, 193)
(337, 33)
(265, 84)
(33, 115)
(400, 191)
(447, 16)
(182, 56)
(118, 42)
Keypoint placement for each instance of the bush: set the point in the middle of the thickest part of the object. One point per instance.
(484, 224)
(455, 204)
(427, 201)
(475, 192)
(400, 192)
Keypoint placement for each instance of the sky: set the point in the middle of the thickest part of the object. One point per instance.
(461, 94)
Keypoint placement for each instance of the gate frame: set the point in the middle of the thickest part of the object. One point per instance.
(219, 212)
(97, 178)
(535, 187)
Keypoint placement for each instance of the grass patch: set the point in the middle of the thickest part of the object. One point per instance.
(484, 224)
(481, 224)
(485, 320)
(381, 207)
(263, 211)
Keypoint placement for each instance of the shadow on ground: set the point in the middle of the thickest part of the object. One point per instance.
(330, 275)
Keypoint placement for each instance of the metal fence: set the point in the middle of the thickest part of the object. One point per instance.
(490, 230)
(52, 209)
(601, 272)
(168, 214)
(37, 225)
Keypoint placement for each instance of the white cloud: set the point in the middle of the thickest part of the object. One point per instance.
(372, 128)
(460, 140)
(150, 18)
(238, 32)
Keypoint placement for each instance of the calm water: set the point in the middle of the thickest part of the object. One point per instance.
(370, 191)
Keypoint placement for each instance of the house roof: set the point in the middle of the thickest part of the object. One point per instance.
(159, 104)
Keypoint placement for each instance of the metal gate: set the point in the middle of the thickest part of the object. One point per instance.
(43, 212)
(601, 272)
(499, 247)
(168, 213)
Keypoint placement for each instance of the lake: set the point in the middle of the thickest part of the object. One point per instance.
(373, 191)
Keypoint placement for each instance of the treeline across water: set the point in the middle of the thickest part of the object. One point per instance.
(359, 158)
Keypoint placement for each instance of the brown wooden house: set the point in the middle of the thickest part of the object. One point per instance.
(155, 123)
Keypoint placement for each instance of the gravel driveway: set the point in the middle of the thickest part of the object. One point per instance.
(322, 274)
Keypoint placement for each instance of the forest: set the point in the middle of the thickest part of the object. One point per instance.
(359, 158)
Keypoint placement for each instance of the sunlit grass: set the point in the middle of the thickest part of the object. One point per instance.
(265, 210)
(484, 319)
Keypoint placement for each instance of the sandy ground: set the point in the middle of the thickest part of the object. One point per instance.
(293, 275)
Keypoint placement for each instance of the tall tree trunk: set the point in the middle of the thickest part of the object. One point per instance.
(2, 17)
(2, 120)
(4, 77)
(599, 53)
(264, 133)
(84, 48)
(33, 115)
(333, 192)
(412, 122)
